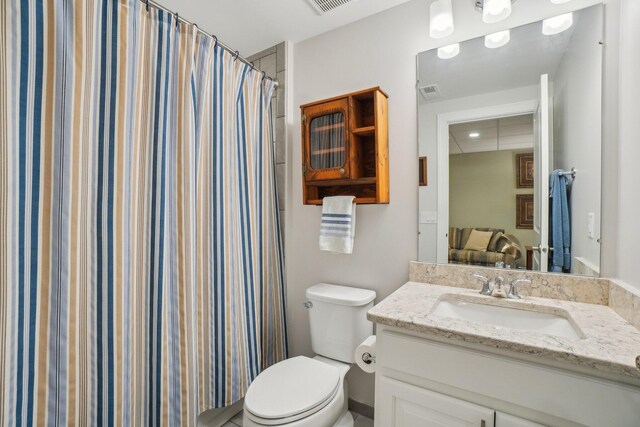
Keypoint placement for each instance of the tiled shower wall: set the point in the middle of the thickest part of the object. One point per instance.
(273, 62)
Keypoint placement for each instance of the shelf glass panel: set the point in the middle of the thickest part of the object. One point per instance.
(327, 141)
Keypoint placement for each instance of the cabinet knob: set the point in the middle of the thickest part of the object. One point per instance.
(341, 171)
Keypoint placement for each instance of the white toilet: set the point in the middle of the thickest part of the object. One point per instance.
(312, 392)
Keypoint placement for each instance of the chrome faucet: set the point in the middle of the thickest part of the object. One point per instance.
(499, 283)
(497, 287)
(513, 288)
(487, 287)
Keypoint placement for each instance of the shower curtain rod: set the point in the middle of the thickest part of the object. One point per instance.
(200, 30)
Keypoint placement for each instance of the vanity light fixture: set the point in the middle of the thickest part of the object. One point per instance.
(498, 39)
(448, 52)
(474, 135)
(494, 10)
(440, 19)
(557, 24)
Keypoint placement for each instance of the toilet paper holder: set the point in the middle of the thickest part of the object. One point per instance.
(368, 358)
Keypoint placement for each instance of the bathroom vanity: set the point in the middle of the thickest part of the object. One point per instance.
(447, 355)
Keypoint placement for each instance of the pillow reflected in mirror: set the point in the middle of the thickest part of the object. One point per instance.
(478, 241)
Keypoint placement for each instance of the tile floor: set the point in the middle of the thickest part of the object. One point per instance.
(359, 421)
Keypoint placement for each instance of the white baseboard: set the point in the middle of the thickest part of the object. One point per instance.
(217, 417)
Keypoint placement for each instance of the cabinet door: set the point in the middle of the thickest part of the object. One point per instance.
(325, 140)
(399, 404)
(506, 420)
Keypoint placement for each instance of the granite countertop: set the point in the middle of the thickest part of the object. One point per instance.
(610, 344)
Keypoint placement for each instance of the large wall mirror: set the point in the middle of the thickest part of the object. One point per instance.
(511, 130)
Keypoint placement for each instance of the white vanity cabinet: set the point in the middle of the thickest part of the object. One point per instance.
(426, 381)
(506, 420)
(405, 405)
(399, 404)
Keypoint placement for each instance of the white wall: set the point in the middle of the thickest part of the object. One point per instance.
(629, 144)
(577, 89)
(427, 146)
(610, 72)
(377, 51)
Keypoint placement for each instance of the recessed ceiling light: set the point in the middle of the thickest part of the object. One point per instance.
(474, 135)
(448, 52)
(498, 39)
(557, 24)
(560, 1)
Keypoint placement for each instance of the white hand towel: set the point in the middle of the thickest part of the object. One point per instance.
(338, 225)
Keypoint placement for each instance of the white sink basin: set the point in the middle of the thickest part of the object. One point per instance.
(512, 318)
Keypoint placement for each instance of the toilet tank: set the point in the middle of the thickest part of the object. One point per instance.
(338, 319)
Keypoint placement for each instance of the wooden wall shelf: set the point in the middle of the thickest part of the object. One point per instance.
(328, 183)
(367, 130)
(346, 151)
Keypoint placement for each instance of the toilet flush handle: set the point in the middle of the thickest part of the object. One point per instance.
(308, 304)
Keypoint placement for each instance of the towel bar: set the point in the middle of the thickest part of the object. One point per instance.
(572, 172)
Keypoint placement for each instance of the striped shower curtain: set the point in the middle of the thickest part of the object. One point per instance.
(141, 275)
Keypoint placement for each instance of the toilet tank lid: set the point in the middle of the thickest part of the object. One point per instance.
(342, 295)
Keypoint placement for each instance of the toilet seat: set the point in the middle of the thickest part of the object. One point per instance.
(291, 390)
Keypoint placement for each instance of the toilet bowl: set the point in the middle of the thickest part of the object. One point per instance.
(297, 392)
(312, 392)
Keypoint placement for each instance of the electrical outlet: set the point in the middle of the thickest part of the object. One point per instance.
(428, 217)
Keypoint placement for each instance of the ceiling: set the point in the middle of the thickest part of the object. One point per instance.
(477, 69)
(251, 26)
(506, 133)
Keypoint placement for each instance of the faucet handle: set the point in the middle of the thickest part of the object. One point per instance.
(513, 289)
(480, 277)
(486, 283)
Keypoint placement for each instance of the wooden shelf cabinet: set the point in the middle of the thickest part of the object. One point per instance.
(345, 148)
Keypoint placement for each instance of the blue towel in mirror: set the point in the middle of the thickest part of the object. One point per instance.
(559, 224)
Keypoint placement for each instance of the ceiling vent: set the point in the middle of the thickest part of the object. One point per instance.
(430, 92)
(324, 6)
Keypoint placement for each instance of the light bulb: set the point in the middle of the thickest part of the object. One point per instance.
(498, 39)
(441, 19)
(448, 52)
(495, 10)
(557, 24)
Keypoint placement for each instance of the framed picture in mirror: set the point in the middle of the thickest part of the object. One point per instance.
(422, 168)
(524, 170)
(524, 211)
